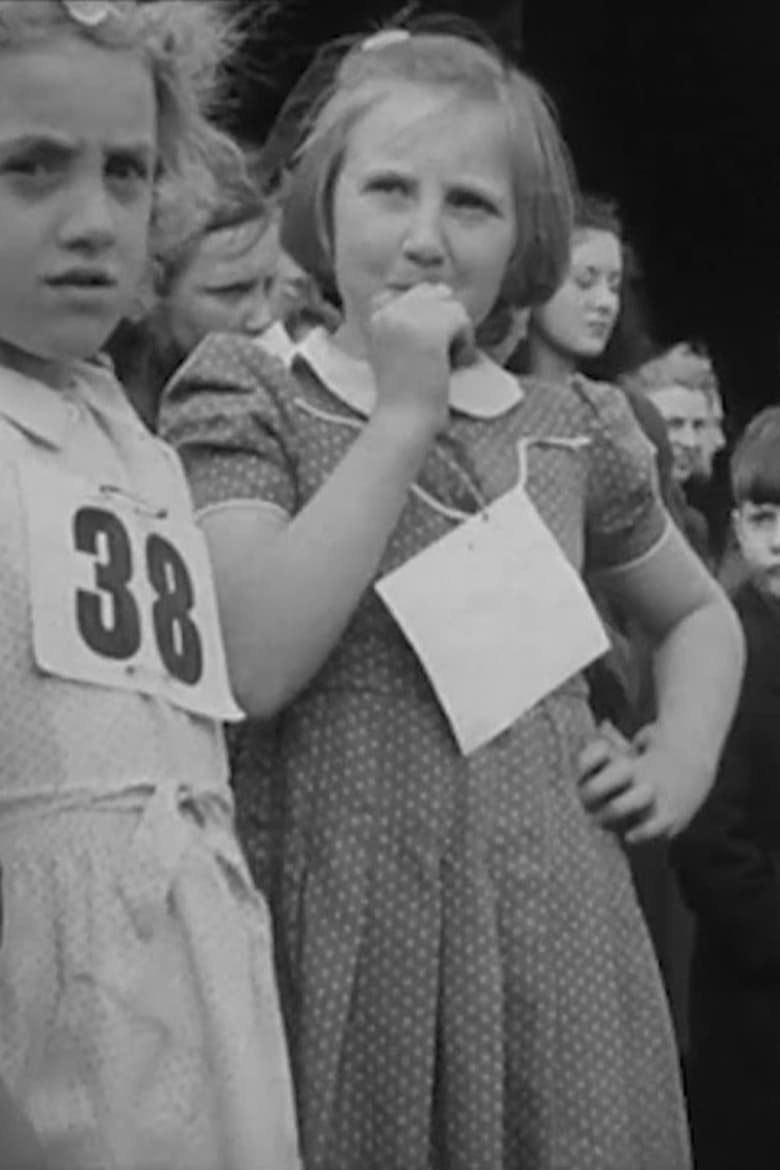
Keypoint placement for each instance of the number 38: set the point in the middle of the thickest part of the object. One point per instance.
(108, 617)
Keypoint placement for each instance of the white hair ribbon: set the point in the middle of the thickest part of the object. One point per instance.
(385, 38)
(92, 13)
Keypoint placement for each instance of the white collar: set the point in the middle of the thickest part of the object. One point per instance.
(43, 411)
(277, 340)
(482, 390)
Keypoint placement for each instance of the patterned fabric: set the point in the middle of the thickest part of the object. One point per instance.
(467, 979)
(139, 1025)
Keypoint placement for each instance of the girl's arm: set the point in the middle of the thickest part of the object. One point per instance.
(699, 659)
(287, 587)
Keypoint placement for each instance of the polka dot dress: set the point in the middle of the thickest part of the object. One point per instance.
(467, 980)
(139, 1022)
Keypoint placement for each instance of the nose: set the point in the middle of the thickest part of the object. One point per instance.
(91, 223)
(257, 315)
(424, 240)
(687, 437)
(605, 298)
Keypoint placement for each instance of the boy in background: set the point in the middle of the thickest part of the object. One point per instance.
(728, 860)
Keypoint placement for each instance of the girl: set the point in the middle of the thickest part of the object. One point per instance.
(395, 532)
(220, 279)
(138, 1019)
(229, 276)
(596, 321)
(576, 324)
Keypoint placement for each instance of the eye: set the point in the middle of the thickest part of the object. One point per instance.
(235, 291)
(31, 166)
(36, 168)
(129, 170)
(389, 184)
(764, 518)
(584, 278)
(463, 199)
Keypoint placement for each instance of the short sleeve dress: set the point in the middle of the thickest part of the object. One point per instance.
(468, 981)
(140, 1027)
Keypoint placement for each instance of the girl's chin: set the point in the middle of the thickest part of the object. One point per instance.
(769, 583)
(591, 348)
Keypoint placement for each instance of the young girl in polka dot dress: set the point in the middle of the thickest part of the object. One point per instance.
(139, 1024)
(466, 976)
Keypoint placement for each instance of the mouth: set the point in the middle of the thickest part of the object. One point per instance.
(401, 286)
(83, 280)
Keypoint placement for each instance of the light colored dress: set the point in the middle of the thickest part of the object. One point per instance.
(467, 978)
(139, 1021)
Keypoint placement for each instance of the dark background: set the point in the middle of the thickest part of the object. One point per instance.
(672, 107)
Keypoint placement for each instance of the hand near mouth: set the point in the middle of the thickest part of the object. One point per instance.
(417, 337)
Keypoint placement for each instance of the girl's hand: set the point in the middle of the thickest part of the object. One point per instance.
(643, 790)
(416, 338)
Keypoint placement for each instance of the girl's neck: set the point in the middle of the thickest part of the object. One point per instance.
(547, 363)
(53, 373)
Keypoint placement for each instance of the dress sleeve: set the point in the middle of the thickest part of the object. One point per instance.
(625, 516)
(227, 412)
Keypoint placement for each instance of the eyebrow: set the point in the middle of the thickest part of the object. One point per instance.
(23, 142)
(397, 170)
(60, 144)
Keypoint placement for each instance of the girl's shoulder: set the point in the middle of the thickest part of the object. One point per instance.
(602, 400)
(229, 379)
(231, 362)
(597, 407)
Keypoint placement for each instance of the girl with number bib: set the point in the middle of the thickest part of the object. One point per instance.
(397, 529)
(139, 1025)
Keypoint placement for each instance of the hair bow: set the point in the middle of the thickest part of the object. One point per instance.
(91, 13)
(382, 40)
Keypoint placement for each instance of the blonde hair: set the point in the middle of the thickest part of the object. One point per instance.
(184, 44)
(474, 71)
(681, 365)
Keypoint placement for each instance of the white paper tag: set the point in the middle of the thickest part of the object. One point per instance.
(122, 597)
(497, 616)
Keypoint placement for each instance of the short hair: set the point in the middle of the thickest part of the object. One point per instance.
(755, 462)
(682, 365)
(471, 68)
(185, 44)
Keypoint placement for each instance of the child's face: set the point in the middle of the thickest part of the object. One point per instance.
(578, 320)
(78, 146)
(425, 194)
(757, 528)
(227, 287)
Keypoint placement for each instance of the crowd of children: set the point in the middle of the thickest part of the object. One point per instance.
(354, 641)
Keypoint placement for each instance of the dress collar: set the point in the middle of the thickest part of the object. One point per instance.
(483, 390)
(46, 413)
